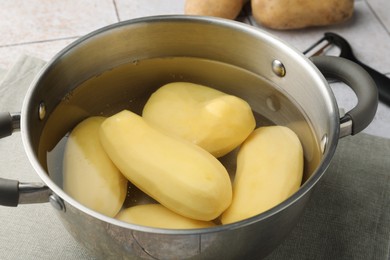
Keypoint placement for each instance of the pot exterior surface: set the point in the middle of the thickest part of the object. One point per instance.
(254, 240)
(119, 66)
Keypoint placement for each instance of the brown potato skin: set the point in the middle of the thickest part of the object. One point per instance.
(228, 9)
(296, 14)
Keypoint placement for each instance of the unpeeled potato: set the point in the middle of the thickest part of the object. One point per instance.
(90, 177)
(295, 14)
(156, 215)
(228, 9)
(207, 117)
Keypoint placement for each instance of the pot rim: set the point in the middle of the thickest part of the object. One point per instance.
(305, 188)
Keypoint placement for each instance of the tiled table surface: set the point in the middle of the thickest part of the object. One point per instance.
(41, 28)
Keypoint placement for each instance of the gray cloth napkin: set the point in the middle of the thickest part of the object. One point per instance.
(348, 216)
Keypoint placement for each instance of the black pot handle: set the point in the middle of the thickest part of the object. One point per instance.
(9, 192)
(352, 74)
(381, 81)
(13, 192)
(9, 123)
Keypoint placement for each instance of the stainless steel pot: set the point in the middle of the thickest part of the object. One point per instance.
(119, 66)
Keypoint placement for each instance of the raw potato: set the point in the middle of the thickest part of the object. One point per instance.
(269, 170)
(219, 8)
(215, 121)
(178, 174)
(90, 177)
(156, 215)
(294, 14)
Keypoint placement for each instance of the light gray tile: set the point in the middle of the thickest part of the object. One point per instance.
(39, 20)
(381, 9)
(134, 9)
(2, 74)
(42, 50)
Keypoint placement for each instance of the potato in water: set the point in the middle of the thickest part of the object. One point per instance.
(156, 215)
(269, 170)
(215, 121)
(178, 174)
(90, 177)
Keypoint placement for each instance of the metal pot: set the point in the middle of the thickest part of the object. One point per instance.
(119, 66)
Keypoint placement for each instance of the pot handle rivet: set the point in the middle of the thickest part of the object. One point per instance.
(323, 143)
(273, 103)
(42, 111)
(278, 68)
(57, 202)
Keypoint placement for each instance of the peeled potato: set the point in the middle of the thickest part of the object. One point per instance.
(156, 215)
(178, 174)
(269, 170)
(90, 177)
(209, 118)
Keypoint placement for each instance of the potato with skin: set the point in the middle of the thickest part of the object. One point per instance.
(156, 215)
(90, 177)
(228, 9)
(295, 14)
(178, 174)
(269, 170)
(207, 117)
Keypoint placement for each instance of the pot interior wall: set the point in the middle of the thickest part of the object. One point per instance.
(129, 86)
